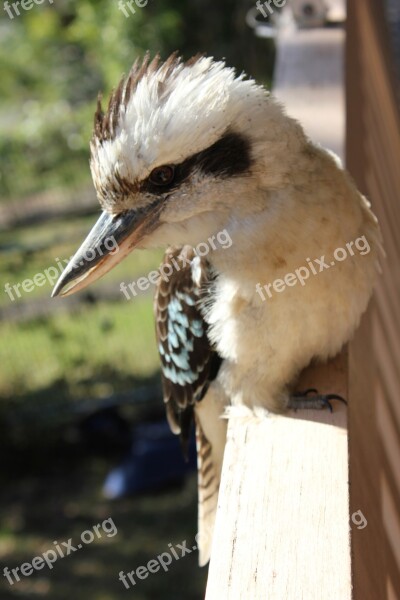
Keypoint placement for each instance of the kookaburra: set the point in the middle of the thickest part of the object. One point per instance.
(184, 151)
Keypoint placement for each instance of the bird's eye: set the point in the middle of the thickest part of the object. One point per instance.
(162, 176)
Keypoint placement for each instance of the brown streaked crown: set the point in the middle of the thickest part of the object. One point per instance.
(105, 123)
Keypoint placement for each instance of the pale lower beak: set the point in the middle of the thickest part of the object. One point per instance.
(110, 240)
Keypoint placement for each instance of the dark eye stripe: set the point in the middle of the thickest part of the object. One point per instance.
(227, 157)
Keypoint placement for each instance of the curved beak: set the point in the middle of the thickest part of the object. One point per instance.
(111, 239)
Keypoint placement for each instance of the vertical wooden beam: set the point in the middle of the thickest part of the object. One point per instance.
(368, 572)
(373, 151)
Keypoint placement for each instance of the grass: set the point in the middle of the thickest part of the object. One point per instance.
(57, 495)
(77, 348)
(31, 250)
(51, 486)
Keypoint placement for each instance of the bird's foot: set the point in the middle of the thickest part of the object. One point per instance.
(311, 399)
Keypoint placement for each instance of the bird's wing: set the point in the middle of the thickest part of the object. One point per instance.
(188, 364)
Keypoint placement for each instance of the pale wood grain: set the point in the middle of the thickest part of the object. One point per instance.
(282, 529)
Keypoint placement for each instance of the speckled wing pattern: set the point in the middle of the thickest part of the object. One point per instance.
(188, 362)
(188, 365)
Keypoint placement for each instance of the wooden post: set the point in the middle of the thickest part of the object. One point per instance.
(282, 529)
(373, 151)
(283, 523)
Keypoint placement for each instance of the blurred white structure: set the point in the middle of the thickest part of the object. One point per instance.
(306, 14)
(309, 13)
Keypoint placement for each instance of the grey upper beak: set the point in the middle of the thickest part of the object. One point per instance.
(110, 240)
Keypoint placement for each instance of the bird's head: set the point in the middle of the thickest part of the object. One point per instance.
(171, 160)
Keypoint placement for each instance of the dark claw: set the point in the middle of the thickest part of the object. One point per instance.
(325, 400)
(335, 397)
(320, 400)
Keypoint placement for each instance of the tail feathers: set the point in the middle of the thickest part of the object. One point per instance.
(208, 486)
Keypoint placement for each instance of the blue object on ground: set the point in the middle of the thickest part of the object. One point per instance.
(154, 461)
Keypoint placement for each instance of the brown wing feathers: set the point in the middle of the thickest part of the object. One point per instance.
(188, 362)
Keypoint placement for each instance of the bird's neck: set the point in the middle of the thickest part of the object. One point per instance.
(248, 253)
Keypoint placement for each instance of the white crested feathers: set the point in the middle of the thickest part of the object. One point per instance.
(171, 116)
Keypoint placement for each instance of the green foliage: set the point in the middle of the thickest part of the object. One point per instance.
(55, 58)
(54, 61)
(79, 349)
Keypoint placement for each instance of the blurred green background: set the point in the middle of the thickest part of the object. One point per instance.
(60, 360)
